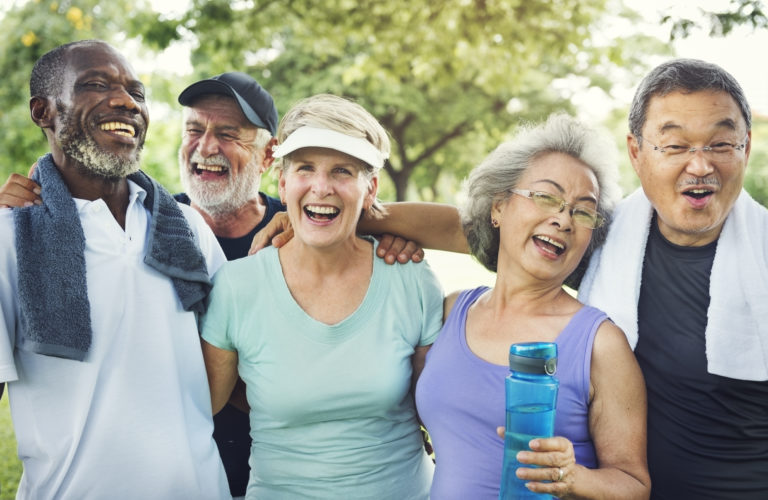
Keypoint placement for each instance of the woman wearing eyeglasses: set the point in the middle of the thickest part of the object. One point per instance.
(536, 207)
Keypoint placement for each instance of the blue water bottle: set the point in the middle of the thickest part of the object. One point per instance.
(531, 393)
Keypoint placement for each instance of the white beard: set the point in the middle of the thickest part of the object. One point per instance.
(222, 196)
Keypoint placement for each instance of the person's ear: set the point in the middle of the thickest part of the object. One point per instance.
(281, 185)
(269, 158)
(633, 149)
(370, 196)
(42, 112)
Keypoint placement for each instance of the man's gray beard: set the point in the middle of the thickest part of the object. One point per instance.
(94, 161)
(224, 196)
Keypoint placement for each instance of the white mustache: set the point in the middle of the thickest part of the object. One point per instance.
(701, 181)
(218, 160)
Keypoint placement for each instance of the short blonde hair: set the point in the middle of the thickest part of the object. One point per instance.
(342, 115)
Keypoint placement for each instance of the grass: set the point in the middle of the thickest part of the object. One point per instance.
(10, 466)
(455, 272)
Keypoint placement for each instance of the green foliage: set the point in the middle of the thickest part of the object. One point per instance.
(10, 466)
(756, 181)
(739, 12)
(447, 78)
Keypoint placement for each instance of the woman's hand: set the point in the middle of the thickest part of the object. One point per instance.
(557, 468)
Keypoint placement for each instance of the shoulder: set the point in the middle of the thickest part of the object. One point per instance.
(448, 303)
(610, 341)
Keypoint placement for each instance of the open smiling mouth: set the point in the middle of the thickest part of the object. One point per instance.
(324, 213)
(698, 193)
(549, 244)
(119, 128)
(199, 169)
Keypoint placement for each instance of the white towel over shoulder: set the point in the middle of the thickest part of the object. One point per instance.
(737, 326)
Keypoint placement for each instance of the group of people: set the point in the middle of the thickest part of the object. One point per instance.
(332, 359)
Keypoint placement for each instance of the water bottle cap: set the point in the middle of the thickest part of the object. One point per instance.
(539, 358)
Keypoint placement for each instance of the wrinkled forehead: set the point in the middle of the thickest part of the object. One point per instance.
(216, 109)
(694, 112)
(98, 58)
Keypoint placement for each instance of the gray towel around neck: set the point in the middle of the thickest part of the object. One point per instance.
(50, 246)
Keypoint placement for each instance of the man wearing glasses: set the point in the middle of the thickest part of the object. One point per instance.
(684, 272)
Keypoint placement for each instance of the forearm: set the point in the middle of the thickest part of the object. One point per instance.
(430, 225)
(221, 368)
(608, 483)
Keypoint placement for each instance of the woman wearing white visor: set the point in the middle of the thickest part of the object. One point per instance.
(326, 337)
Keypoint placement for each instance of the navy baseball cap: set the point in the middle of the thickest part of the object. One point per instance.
(256, 103)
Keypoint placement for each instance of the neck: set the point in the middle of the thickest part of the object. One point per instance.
(510, 295)
(238, 222)
(81, 185)
(325, 261)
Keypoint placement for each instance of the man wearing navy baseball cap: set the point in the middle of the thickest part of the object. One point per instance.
(229, 124)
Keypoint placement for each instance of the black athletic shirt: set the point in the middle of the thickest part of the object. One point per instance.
(707, 434)
(231, 426)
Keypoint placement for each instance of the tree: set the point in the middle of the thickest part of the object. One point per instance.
(447, 78)
(722, 22)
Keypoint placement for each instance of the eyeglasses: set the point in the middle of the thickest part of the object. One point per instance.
(719, 151)
(583, 216)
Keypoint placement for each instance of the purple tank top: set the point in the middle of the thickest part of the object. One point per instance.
(460, 399)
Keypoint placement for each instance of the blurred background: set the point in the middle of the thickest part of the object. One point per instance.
(449, 79)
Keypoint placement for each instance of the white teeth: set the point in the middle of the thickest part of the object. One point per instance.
(119, 128)
(322, 210)
(210, 168)
(552, 242)
(699, 191)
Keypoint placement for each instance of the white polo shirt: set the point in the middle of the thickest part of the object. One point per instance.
(133, 420)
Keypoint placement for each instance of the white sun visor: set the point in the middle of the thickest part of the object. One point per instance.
(308, 137)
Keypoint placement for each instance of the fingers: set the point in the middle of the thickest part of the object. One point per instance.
(284, 237)
(394, 248)
(555, 466)
(548, 452)
(277, 232)
(18, 191)
(386, 250)
(411, 252)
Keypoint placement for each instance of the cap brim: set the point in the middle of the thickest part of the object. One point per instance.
(208, 87)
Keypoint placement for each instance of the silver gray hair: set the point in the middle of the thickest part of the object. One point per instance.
(502, 169)
(686, 76)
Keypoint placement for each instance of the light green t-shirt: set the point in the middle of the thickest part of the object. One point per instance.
(332, 415)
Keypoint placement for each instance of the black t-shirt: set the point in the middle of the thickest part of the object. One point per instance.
(707, 434)
(231, 426)
(236, 248)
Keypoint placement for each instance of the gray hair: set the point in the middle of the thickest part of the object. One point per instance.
(341, 115)
(502, 169)
(687, 76)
